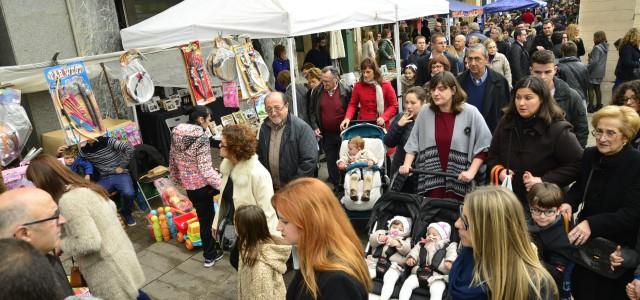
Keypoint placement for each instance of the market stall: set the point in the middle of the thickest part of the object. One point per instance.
(509, 5)
(460, 9)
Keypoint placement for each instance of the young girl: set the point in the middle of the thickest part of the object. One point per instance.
(358, 154)
(390, 248)
(408, 79)
(262, 259)
(430, 265)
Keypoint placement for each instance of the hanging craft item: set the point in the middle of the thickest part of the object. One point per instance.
(15, 126)
(221, 62)
(251, 71)
(230, 94)
(136, 84)
(74, 102)
(201, 92)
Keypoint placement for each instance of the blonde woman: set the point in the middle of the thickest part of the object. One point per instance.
(498, 260)
(368, 48)
(573, 34)
(497, 61)
(629, 56)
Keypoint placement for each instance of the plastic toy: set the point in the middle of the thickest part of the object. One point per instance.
(172, 227)
(164, 228)
(156, 228)
(170, 195)
(193, 234)
(188, 229)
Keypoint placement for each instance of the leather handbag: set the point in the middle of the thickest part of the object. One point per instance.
(594, 255)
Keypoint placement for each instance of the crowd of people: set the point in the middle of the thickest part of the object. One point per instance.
(504, 107)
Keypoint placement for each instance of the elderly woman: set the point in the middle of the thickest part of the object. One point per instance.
(497, 259)
(451, 136)
(245, 181)
(93, 234)
(533, 142)
(374, 95)
(497, 61)
(608, 188)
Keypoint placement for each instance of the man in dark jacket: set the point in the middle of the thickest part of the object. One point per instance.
(287, 146)
(327, 108)
(421, 51)
(543, 66)
(438, 47)
(573, 71)
(31, 215)
(318, 56)
(519, 56)
(486, 89)
(543, 41)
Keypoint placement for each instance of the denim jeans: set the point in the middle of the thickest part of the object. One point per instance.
(123, 184)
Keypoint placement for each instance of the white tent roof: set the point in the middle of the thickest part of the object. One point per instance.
(204, 19)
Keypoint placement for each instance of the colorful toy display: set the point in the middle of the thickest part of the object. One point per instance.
(127, 132)
(15, 126)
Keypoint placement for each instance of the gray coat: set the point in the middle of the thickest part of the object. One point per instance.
(598, 63)
(298, 149)
(575, 74)
(301, 100)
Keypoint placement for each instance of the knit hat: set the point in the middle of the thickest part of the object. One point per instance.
(443, 228)
(406, 223)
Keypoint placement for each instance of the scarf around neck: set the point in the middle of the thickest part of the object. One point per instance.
(379, 96)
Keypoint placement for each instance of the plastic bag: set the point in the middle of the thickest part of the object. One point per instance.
(507, 183)
(15, 126)
(171, 196)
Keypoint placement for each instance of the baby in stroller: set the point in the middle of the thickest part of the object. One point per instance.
(358, 154)
(390, 248)
(431, 260)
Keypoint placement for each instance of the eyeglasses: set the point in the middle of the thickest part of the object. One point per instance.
(609, 134)
(464, 219)
(630, 99)
(546, 213)
(276, 109)
(56, 216)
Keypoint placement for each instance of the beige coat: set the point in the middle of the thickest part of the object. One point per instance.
(400, 257)
(501, 65)
(95, 238)
(252, 185)
(264, 280)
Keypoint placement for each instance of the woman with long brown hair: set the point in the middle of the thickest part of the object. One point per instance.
(629, 56)
(374, 95)
(93, 234)
(330, 253)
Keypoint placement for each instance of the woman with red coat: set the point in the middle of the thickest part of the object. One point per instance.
(376, 97)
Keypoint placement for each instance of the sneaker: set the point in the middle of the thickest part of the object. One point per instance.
(353, 195)
(130, 220)
(209, 262)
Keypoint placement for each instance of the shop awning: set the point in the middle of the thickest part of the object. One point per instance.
(462, 9)
(509, 5)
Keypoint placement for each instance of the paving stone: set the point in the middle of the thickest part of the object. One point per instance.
(222, 271)
(150, 274)
(161, 290)
(196, 285)
(171, 249)
(158, 262)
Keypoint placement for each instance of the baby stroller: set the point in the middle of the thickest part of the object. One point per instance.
(372, 136)
(430, 210)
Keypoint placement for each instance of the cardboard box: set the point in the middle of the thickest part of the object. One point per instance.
(53, 139)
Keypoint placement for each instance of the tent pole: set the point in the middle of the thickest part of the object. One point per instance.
(449, 29)
(292, 72)
(396, 33)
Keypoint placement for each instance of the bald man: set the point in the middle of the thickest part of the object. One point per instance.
(31, 215)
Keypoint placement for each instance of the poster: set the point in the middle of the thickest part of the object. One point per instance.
(230, 94)
(199, 84)
(251, 68)
(74, 102)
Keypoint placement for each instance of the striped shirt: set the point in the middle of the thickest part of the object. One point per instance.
(106, 154)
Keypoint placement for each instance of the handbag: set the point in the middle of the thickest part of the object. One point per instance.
(594, 254)
(76, 279)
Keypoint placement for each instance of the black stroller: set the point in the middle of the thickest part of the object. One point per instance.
(430, 210)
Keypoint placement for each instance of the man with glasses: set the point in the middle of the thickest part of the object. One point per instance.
(544, 67)
(287, 146)
(518, 56)
(486, 89)
(31, 215)
(438, 47)
(327, 107)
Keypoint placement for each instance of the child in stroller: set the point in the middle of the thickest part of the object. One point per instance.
(431, 260)
(390, 248)
(358, 154)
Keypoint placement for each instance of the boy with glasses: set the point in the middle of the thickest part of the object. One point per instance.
(549, 229)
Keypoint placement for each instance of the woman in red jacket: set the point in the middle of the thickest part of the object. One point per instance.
(376, 97)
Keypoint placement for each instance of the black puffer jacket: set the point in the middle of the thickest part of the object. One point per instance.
(575, 112)
(575, 74)
(629, 60)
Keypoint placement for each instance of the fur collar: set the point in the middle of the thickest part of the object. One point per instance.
(240, 172)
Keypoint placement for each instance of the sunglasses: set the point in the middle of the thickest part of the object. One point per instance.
(464, 219)
(56, 216)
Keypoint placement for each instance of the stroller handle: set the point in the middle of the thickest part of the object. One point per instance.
(428, 172)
